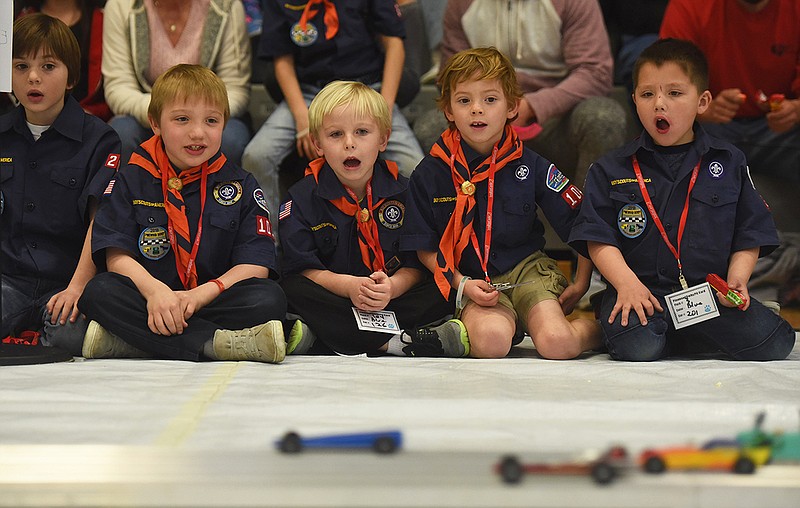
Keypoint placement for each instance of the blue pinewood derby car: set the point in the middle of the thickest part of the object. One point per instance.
(380, 442)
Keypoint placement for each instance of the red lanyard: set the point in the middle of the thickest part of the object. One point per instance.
(186, 275)
(487, 238)
(657, 220)
(368, 227)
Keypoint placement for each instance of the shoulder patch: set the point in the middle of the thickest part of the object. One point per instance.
(112, 161)
(285, 210)
(556, 180)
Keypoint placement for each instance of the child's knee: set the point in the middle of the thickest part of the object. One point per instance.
(776, 346)
(557, 343)
(489, 346)
(637, 343)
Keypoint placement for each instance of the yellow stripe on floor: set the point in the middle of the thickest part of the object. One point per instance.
(185, 422)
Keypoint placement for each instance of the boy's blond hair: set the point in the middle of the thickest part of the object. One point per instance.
(364, 101)
(40, 33)
(186, 81)
(477, 64)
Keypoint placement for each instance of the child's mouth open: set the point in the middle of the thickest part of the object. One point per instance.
(662, 125)
(351, 163)
(478, 125)
(195, 149)
(35, 96)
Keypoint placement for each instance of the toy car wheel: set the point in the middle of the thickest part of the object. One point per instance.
(744, 465)
(384, 445)
(603, 473)
(511, 469)
(655, 465)
(291, 443)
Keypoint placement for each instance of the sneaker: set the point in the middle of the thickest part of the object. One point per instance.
(262, 343)
(301, 338)
(773, 306)
(448, 340)
(100, 343)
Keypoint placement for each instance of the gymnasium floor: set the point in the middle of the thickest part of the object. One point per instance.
(160, 433)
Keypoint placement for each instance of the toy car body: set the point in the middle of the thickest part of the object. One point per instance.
(603, 468)
(715, 455)
(785, 446)
(380, 442)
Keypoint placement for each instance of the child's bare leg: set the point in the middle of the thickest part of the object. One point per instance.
(490, 330)
(555, 337)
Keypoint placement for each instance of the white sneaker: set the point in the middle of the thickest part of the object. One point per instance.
(262, 343)
(100, 343)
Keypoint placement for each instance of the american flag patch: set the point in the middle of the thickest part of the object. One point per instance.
(109, 188)
(285, 210)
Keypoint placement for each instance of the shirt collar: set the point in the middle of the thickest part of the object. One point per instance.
(383, 184)
(702, 143)
(68, 123)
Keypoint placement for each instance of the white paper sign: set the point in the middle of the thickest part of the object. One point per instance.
(693, 305)
(383, 321)
(6, 31)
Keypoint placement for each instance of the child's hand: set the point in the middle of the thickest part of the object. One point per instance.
(196, 298)
(741, 289)
(375, 292)
(481, 292)
(64, 305)
(635, 298)
(724, 106)
(165, 312)
(785, 117)
(570, 298)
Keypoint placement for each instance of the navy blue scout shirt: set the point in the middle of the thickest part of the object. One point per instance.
(726, 213)
(521, 187)
(236, 227)
(317, 235)
(354, 53)
(46, 186)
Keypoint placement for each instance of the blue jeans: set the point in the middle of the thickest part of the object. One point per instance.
(756, 334)
(132, 134)
(276, 139)
(24, 308)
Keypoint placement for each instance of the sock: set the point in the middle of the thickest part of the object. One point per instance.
(395, 345)
(208, 350)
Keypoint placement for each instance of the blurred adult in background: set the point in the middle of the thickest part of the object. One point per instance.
(144, 38)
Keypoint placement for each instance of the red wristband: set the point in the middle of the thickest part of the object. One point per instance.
(219, 284)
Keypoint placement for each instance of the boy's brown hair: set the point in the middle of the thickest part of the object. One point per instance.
(365, 102)
(48, 36)
(187, 81)
(477, 64)
(684, 54)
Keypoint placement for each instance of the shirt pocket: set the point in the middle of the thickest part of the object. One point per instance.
(326, 239)
(630, 211)
(514, 223)
(152, 234)
(68, 179)
(711, 220)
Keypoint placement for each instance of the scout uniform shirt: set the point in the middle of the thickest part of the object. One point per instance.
(45, 187)
(725, 214)
(235, 227)
(315, 234)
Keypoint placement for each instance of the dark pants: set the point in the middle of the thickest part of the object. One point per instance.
(331, 317)
(114, 301)
(756, 334)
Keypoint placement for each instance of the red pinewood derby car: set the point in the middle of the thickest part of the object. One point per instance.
(603, 467)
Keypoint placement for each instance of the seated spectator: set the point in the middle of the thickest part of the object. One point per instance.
(561, 53)
(311, 43)
(144, 38)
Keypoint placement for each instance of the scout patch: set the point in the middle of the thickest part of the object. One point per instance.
(556, 180)
(522, 172)
(258, 197)
(109, 187)
(154, 243)
(227, 193)
(391, 214)
(263, 226)
(303, 37)
(112, 161)
(716, 169)
(573, 196)
(631, 220)
(285, 210)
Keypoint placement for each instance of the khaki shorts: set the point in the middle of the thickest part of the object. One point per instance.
(547, 284)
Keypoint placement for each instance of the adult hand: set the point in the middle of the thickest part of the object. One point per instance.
(724, 106)
(785, 117)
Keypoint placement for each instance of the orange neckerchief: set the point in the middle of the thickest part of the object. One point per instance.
(159, 166)
(459, 230)
(331, 17)
(368, 241)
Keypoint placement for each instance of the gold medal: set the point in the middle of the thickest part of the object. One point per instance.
(175, 183)
(364, 215)
(468, 188)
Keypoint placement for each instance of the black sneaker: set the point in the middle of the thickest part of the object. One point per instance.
(446, 340)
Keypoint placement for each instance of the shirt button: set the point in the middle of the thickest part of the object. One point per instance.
(32, 165)
(396, 245)
(150, 220)
(714, 198)
(233, 224)
(72, 182)
(632, 196)
(526, 207)
(668, 226)
(30, 207)
(494, 255)
(662, 271)
(34, 245)
(327, 239)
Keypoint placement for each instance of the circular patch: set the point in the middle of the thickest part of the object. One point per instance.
(522, 172)
(304, 37)
(261, 201)
(631, 220)
(154, 243)
(716, 169)
(391, 214)
(227, 193)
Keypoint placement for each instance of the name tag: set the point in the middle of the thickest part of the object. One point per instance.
(383, 321)
(693, 305)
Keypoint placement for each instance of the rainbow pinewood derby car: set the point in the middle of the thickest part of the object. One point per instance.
(380, 442)
(715, 455)
(602, 467)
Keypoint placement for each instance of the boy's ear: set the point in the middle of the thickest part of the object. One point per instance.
(385, 140)
(316, 144)
(514, 111)
(703, 102)
(154, 125)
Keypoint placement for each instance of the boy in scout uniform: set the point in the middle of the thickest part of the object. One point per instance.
(187, 240)
(340, 232)
(55, 162)
(666, 210)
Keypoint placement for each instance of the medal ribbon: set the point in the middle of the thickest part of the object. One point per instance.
(331, 17)
(681, 226)
(459, 231)
(158, 165)
(367, 228)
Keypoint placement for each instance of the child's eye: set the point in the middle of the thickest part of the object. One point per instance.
(21, 66)
(490, 100)
(212, 121)
(462, 100)
(362, 132)
(181, 119)
(646, 94)
(49, 66)
(335, 134)
(675, 93)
